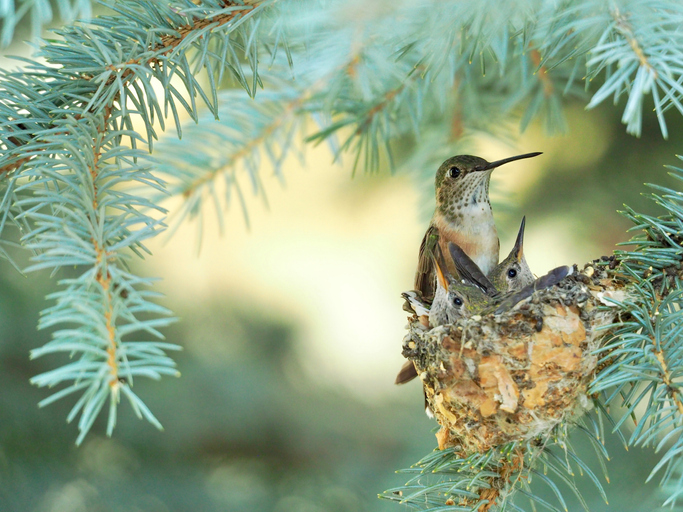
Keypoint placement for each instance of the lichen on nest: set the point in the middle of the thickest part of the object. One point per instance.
(512, 376)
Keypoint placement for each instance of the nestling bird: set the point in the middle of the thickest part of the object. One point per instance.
(455, 299)
(463, 216)
(474, 295)
(545, 281)
(513, 273)
(414, 304)
(492, 301)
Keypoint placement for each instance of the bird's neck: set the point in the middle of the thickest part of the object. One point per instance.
(464, 216)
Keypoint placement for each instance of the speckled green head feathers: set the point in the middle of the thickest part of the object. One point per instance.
(464, 179)
(465, 164)
(461, 180)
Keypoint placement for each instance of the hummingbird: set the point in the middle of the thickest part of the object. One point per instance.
(463, 216)
(545, 281)
(458, 299)
(513, 273)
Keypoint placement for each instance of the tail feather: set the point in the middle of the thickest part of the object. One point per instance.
(406, 373)
(414, 303)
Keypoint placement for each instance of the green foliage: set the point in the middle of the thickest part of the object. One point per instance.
(250, 134)
(83, 220)
(506, 478)
(402, 83)
(38, 13)
(645, 352)
(72, 186)
(407, 83)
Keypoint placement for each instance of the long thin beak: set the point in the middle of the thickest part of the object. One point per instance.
(519, 243)
(498, 163)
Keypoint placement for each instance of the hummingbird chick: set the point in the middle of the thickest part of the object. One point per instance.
(414, 304)
(455, 299)
(546, 281)
(474, 293)
(463, 216)
(513, 273)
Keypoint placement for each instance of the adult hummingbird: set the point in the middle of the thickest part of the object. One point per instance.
(463, 216)
(513, 273)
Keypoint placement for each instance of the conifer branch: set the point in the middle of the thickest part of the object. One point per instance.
(154, 57)
(639, 370)
(67, 169)
(287, 113)
(102, 305)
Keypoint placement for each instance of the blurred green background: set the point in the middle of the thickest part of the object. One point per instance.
(292, 332)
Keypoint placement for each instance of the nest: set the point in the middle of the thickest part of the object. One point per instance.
(513, 376)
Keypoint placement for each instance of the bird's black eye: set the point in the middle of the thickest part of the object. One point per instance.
(457, 301)
(454, 172)
(512, 273)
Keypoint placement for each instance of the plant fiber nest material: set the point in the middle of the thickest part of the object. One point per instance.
(498, 378)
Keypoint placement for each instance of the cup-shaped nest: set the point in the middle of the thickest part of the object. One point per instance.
(512, 376)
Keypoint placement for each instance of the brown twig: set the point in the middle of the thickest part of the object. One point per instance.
(666, 378)
(376, 109)
(506, 472)
(542, 73)
(626, 30)
(457, 126)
